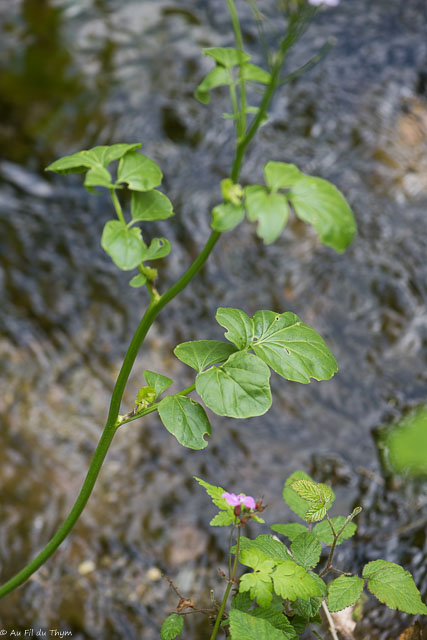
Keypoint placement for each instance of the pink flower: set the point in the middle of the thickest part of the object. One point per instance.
(328, 3)
(235, 501)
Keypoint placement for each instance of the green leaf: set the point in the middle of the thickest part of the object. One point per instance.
(315, 513)
(291, 582)
(239, 326)
(257, 560)
(241, 601)
(257, 583)
(200, 354)
(138, 281)
(313, 491)
(226, 217)
(123, 245)
(291, 530)
(239, 388)
(186, 420)
(215, 493)
(246, 627)
(323, 531)
(343, 592)
(172, 627)
(307, 608)
(217, 77)
(98, 177)
(393, 586)
(271, 210)
(145, 396)
(159, 248)
(227, 56)
(266, 545)
(254, 73)
(292, 499)
(150, 205)
(97, 157)
(222, 519)
(280, 175)
(159, 382)
(274, 615)
(319, 203)
(138, 172)
(306, 550)
(293, 349)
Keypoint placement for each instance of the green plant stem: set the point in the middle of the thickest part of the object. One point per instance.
(295, 30)
(110, 428)
(239, 44)
(228, 589)
(117, 206)
(328, 566)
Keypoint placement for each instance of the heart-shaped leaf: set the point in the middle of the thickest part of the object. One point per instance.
(138, 172)
(123, 245)
(186, 420)
(239, 388)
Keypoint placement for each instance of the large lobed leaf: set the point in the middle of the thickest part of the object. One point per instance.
(393, 586)
(291, 348)
(292, 581)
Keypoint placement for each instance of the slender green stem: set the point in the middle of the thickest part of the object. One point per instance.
(239, 44)
(296, 27)
(110, 428)
(117, 206)
(228, 589)
(71, 519)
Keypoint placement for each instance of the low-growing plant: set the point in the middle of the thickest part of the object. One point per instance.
(232, 377)
(286, 588)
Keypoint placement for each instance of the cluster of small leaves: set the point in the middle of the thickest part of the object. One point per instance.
(313, 200)
(233, 378)
(230, 64)
(282, 594)
(140, 175)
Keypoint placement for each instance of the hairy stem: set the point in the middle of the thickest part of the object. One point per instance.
(228, 589)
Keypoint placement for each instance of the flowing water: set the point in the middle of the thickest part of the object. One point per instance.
(88, 72)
